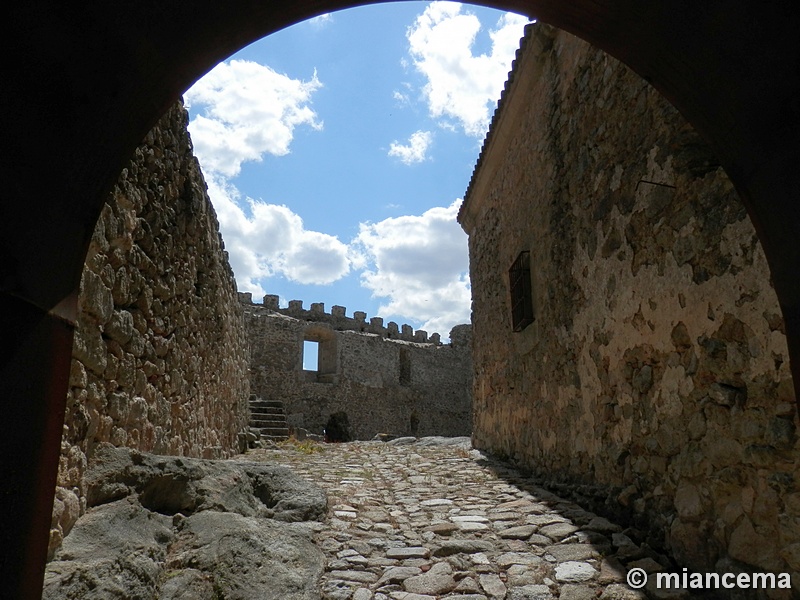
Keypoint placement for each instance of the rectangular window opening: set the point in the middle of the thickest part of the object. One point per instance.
(405, 367)
(310, 355)
(519, 277)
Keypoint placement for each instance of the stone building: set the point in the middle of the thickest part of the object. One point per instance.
(380, 379)
(628, 345)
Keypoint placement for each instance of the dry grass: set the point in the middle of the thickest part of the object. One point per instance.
(303, 447)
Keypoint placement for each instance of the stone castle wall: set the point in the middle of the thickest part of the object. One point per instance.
(385, 379)
(655, 378)
(160, 357)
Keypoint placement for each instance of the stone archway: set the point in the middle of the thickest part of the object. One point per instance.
(83, 84)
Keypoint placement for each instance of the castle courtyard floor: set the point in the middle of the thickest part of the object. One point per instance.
(433, 518)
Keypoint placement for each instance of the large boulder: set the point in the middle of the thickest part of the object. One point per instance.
(114, 551)
(172, 528)
(172, 484)
(248, 557)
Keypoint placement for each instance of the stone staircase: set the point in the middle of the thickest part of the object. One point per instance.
(268, 417)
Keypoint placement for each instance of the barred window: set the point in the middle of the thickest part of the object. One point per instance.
(519, 277)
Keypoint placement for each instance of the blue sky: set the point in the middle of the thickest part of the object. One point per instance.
(337, 152)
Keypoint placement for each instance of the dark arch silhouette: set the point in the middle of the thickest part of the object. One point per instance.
(83, 83)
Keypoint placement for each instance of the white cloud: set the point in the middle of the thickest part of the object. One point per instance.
(417, 263)
(272, 241)
(416, 149)
(321, 20)
(420, 263)
(460, 85)
(249, 110)
(403, 98)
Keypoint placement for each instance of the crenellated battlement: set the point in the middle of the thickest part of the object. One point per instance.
(339, 321)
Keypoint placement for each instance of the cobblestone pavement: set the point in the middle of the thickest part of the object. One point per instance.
(435, 519)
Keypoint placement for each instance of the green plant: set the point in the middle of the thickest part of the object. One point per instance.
(304, 447)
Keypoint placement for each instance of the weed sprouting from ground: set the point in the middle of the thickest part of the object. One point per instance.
(303, 447)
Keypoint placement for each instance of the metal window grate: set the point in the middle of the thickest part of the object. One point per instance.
(519, 277)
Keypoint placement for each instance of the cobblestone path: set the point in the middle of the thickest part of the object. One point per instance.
(435, 519)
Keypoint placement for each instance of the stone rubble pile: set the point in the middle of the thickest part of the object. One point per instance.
(430, 518)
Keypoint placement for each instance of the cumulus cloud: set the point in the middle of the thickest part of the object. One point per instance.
(461, 86)
(248, 109)
(417, 263)
(420, 263)
(272, 240)
(416, 149)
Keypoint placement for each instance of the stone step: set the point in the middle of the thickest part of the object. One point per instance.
(268, 415)
(266, 411)
(281, 418)
(269, 418)
(275, 438)
(272, 428)
(261, 423)
(276, 404)
(270, 433)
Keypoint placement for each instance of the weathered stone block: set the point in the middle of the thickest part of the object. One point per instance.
(77, 374)
(89, 349)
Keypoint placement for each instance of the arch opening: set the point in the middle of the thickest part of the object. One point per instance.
(114, 96)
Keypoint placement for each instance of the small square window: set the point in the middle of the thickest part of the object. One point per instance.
(519, 278)
(319, 359)
(310, 355)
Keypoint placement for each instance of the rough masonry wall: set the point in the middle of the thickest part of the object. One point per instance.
(655, 377)
(384, 384)
(160, 356)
